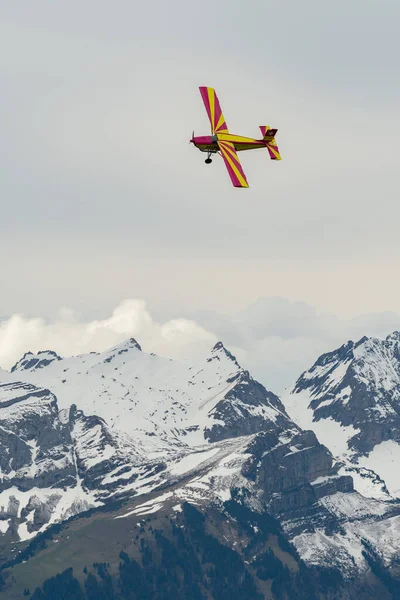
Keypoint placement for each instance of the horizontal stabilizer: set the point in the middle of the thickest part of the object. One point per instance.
(269, 137)
(273, 150)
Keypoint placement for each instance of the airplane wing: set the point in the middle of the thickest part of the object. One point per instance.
(211, 102)
(233, 165)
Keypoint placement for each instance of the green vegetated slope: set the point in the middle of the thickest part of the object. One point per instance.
(170, 555)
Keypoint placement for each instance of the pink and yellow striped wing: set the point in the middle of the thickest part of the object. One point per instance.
(213, 108)
(233, 165)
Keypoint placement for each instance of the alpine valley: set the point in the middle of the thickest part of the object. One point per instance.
(128, 476)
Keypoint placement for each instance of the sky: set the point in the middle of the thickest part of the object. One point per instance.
(106, 205)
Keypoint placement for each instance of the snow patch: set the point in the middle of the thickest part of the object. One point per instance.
(192, 461)
(329, 432)
(353, 506)
(366, 482)
(4, 525)
(385, 460)
(150, 506)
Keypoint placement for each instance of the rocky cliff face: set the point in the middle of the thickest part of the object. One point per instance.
(37, 462)
(35, 443)
(293, 475)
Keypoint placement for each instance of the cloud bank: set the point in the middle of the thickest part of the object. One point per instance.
(274, 338)
(69, 336)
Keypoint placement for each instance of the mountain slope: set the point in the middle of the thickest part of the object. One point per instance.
(176, 403)
(226, 553)
(161, 530)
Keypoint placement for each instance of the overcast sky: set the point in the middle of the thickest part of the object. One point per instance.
(103, 199)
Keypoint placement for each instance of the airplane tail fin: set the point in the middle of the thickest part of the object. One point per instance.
(269, 137)
(267, 132)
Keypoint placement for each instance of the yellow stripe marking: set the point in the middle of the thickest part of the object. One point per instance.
(275, 151)
(232, 138)
(232, 154)
(231, 150)
(239, 176)
(211, 99)
(220, 122)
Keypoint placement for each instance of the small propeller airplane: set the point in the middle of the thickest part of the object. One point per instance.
(227, 144)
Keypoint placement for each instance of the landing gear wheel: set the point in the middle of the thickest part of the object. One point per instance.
(208, 161)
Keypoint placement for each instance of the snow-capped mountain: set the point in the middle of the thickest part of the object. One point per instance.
(164, 403)
(123, 422)
(351, 399)
(77, 433)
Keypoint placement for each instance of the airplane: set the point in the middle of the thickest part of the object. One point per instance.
(227, 144)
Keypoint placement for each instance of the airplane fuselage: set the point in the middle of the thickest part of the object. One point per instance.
(209, 143)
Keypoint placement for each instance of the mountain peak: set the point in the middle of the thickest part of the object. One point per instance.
(218, 346)
(128, 344)
(219, 349)
(362, 341)
(32, 361)
(124, 346)
(393, 337)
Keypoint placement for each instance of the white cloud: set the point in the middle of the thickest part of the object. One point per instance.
(68, 336)
(278, 339)
(274, 338)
